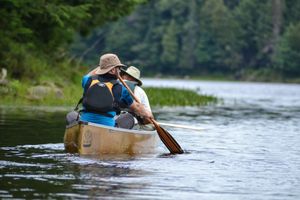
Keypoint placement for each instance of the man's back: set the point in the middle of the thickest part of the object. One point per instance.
(121, 98)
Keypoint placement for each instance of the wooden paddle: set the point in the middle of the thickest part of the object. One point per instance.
(164, 135)
(182, 126)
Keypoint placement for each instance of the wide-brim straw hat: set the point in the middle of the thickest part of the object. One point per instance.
(134, 73)
(108, 62)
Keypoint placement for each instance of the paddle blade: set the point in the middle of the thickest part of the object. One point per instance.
(168, 140)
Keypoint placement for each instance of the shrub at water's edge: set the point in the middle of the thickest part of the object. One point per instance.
(55, 94)
(177, 97)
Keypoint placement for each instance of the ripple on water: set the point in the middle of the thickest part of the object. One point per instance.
(248, 150)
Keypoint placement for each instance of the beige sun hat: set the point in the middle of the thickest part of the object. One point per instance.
(107, 62)
(134, 73)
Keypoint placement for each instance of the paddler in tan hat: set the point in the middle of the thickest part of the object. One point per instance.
(104, 95)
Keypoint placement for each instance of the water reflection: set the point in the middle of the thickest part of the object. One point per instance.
(45, 171)
(108, 180)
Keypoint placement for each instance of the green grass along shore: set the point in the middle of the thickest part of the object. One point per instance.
(50, 94)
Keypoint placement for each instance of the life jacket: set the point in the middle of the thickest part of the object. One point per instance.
(98, 97)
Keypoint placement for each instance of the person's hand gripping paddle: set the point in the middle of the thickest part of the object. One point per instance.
(164, 135)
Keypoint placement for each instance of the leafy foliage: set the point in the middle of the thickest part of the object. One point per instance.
(43, 30)
(288, 57)
(199, 37)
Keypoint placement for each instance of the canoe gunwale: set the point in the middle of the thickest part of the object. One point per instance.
(76, 123)
(111, 128)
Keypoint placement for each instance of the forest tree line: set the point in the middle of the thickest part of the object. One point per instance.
(198, 37)
(44, 39)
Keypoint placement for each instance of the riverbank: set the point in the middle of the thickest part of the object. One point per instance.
(57, 94)
(259, 75)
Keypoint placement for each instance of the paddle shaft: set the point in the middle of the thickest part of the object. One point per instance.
(166, 124)
(164, 135)
(181, 126)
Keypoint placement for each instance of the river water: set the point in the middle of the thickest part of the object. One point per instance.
(250, 149)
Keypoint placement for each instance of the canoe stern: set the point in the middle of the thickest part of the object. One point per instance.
(92, 139)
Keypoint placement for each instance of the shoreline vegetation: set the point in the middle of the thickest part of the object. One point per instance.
(49, 93)
(249, 76)
(62, 88)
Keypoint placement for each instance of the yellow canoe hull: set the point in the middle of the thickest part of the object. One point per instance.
(95, 139)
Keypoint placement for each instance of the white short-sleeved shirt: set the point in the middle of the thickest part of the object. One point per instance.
(142, 97)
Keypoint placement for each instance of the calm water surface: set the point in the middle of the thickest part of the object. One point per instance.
(249, 150)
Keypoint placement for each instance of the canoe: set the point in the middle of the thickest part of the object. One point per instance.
(94, 139)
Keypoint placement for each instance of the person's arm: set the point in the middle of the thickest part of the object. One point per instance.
(140, 110)
(135, 107)
(84, 80)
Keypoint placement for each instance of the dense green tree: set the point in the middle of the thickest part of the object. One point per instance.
(288, 57)
(170, 47)
(189, 38)
(231, 4)
(255, 20)
(148, 25)
(218, 36)
(291, 12)
(42, 30)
